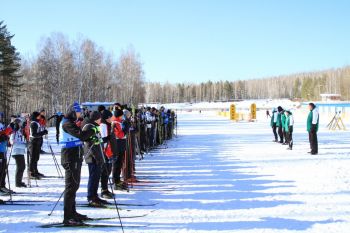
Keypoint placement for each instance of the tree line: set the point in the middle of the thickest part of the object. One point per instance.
(301, 86)
(64, 71)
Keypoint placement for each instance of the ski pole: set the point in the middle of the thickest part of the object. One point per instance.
(56, 203)
(28, 170)
(109, 180)
(58, 169)
(7, 172)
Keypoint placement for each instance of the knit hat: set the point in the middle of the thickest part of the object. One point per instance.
(35, 115)
(106, 114)
(76, 107)
(100, 108)
(118, 113)
(95, 115)
(117, 104)
(280, 109)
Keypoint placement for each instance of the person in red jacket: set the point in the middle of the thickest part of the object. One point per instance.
(120, 132)
(42, 123)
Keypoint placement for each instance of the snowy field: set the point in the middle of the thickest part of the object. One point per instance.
(216, 176)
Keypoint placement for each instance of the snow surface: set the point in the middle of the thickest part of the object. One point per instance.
(216, 176)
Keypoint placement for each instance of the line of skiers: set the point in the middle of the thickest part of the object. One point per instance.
(107, 139)
(282, 123)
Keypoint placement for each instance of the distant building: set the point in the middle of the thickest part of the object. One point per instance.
(330, 97)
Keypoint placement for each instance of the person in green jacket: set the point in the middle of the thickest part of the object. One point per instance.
(288, 128)
(279, 123)
(283, 121)
(273, 124)
(312, 128)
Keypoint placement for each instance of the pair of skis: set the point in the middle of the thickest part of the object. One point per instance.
(92, 225)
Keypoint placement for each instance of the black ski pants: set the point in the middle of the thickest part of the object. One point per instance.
(313, 142)
(72, 182)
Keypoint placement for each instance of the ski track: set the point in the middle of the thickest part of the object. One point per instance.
(216, 176)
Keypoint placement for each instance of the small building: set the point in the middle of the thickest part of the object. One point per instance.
(330, 97)
(92, 106)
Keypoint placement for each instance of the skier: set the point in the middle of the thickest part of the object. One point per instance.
(170, 124)
(42, 122)
(18, 143)
(94, 159)
(288, 128)
(274, 123)
(149, 121)
(58, 118)
(120, 132)
(279, 123)
(105, 127)
(4, 136)
(35, 142)
(71, 138)
(312, 128)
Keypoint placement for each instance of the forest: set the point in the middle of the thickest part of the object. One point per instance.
(302, 86)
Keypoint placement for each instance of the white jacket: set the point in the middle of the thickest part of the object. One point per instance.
(18, 143)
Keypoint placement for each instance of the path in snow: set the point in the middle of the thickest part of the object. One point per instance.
(219, 176)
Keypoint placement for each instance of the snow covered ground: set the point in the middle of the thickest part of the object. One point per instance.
(216, 176)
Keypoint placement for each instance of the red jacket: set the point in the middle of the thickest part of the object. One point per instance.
(42, 121)
(118, 129)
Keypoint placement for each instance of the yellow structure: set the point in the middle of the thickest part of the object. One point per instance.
(233, 115)
(242, 114)
(253, 111)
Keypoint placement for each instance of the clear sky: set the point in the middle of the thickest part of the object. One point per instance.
(196, 40)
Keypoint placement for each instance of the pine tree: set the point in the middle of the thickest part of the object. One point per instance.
(9, 71)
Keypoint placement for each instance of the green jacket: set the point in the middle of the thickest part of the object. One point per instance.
(279, 120)
(310, 118)
(283, 120)
(272, 118)
(286, 125)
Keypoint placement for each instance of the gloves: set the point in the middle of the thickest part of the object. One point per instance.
(45, 132)
(96, 129)
(95, 140)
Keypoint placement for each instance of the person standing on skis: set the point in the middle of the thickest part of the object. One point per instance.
(18, 143)
(4, 137)
(35, 142)
(105, 127)
(94, 159)
(72, 152)
(120, 132)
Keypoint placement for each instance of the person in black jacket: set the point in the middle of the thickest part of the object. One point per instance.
(106, 128)
(94, 159)
(34, 146)
(71, 138)
(58, 118)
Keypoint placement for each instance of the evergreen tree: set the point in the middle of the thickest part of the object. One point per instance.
(9, 71)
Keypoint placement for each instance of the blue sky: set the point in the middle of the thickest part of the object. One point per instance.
(196, 40)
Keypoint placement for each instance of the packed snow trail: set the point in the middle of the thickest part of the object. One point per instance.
(216, 176)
